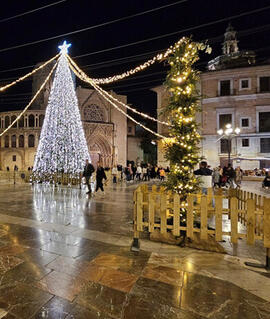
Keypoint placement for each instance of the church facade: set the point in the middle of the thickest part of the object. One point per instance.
(105, 128)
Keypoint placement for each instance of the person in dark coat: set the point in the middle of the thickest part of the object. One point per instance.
(100, 175)
(87, 173)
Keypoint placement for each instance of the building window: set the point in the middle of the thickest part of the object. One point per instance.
(7, 121)
(41, 120)
(129, 129)
(21, 141)
(93, 113)
(14, 158)
(245, 122)
(13, 118)
(245, 142)
(224, 146)
(6, 141)
(265, 145)
(13, 141)
(224, 119)
(265, 84)
(264, 121)
(244, 84)
(31, 120)
(31, 140)
(225, 87)
(21, 122)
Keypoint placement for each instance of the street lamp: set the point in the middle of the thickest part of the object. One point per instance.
(229, 133)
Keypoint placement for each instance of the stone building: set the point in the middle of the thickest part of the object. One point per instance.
(235, 91)
(105, 128)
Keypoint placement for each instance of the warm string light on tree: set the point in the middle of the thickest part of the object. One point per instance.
(143, 66)
(62, 147)
(28, 74)
(87, 79)
(181, 147)
(31, 102)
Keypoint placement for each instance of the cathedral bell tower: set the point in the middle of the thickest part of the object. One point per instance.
(230, 44)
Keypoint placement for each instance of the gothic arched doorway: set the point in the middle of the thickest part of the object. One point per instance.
(100, 151)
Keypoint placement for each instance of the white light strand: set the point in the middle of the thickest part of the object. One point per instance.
(62, 146)
(87, 79)
(116, 106)
(158, 57)
(28, 74)
(32, 100)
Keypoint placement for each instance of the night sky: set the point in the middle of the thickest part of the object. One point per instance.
(71, 15)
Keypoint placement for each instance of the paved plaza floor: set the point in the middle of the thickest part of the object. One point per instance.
(64, 254)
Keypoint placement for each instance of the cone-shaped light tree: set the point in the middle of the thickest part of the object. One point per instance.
(181, 147)
(62, 146)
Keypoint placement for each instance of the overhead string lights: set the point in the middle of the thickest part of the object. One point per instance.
(28, 74)
(97, 88)
(145, 65)
(32, 100)
(87, 79)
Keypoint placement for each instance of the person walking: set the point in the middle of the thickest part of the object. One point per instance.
(114, 174)
(144, 172)
(205, 176)
(87, 173)
(216, 177)
(100, 175)
(139, 173)
(162, 174)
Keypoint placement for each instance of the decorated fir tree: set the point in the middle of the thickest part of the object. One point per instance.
(182, 145)
(62, 146)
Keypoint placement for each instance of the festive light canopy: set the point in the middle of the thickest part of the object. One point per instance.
(62, 146)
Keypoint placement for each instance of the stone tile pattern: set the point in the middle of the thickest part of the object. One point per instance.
(50, 275)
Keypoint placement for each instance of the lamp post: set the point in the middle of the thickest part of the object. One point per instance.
(229, 133)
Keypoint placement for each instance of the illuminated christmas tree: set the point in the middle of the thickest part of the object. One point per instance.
(182, 145)
(62, 147)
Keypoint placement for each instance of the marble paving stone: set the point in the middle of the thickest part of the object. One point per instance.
(118, 280)
(8, 262)
(67, 265)
(61, 285)
(12, 250)
(37, 256)
(62, 249)
(138, 307)
(168, 261)
(102, 298)
(92, 272)
(55, 308)
(90, 254)
(23, 300)
(219, 299)
(79, 312)
(25, 272)
(164, 274)
(163, 293)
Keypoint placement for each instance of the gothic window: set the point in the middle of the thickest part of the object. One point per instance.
(13, 141)
(13, 118)
(21, 141)
(31, 120)
(6, 141)
(31, 140)
(93, 113)
(41, 119)
(21, 122)
(7, 121)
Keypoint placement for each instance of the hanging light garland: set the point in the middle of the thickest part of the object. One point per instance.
(32, 100)
(87, 79)
(114, 105)
(28, 74)
(156, 58)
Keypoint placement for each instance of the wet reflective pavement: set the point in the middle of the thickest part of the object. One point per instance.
(65, 255)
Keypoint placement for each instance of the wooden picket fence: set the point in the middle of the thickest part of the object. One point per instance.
(155, 208)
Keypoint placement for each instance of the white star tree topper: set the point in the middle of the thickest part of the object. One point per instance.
(64, 47)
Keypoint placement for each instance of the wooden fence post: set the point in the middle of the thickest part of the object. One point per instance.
(135, 244)
(251, 221)
(234, 223)
(151, 212)
(204, 234)
(190, 216)
(176, 215)
(140, 211)
(163, 215)
(266, 223)
(218, 217)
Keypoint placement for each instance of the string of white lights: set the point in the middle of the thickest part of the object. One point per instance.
(116, 106)
(158, 57)
(32, 100)
(87, 79)
(28, 74)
